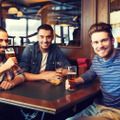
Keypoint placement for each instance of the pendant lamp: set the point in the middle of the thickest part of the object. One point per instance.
(12, 10)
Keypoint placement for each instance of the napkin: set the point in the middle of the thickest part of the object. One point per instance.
(83, 62)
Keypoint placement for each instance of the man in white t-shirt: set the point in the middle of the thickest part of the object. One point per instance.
(38, 60)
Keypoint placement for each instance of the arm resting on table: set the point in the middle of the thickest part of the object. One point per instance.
(18, 80)
(46, 75)
(10, 84)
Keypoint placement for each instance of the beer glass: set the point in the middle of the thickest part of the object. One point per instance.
(9, 52)
(59, 67)
(71, 75)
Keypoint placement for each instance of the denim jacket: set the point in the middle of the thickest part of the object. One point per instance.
(32, 56)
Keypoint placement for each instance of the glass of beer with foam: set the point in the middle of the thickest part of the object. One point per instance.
(9, 52)
(71, 75)
(59, 67)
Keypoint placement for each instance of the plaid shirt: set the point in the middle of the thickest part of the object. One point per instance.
(10, 75)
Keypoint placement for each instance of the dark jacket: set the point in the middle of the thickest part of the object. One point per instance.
(31, 58)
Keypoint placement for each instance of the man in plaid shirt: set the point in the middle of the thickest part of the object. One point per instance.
(8, 77)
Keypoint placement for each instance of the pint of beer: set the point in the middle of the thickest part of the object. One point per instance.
(59, 67)
(71, 75)
(9, 52)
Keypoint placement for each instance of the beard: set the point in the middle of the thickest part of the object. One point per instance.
(2, 53)
(108, 54)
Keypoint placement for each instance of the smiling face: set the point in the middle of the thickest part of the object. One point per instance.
(3, 42)
(45, 38)
(102, 44)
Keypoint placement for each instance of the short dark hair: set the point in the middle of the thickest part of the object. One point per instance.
(99, 27)
(45, 27)
(3, 29)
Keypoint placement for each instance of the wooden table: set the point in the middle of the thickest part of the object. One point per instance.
(43, 96)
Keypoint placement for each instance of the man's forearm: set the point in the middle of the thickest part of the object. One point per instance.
(32, 77)
(18, 80)
(46, 75)
(79, 80)
(2, 69)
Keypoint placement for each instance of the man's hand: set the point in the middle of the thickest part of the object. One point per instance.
(7, 85)
(11, 62)
(49, 75)
(77, 81)
(67, 85)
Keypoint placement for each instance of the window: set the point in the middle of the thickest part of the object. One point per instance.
(18, 28)
(115, 21)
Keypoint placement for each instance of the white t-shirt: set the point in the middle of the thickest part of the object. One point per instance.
(44, 61)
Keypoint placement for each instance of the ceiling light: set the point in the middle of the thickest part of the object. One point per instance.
(19, 14)
(63, 23)
(12, 10)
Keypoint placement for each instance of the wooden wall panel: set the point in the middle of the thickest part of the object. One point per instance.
(102, 8)
(89, 18)
(103, 11)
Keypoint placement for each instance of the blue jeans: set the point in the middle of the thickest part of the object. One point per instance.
(97, 112)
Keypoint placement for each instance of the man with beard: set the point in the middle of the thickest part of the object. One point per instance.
(105, 65)
(38, 60)
(8, 77)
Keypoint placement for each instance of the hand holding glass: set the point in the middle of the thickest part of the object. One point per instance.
(58, 69)
(71, 75)
(9, 52)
